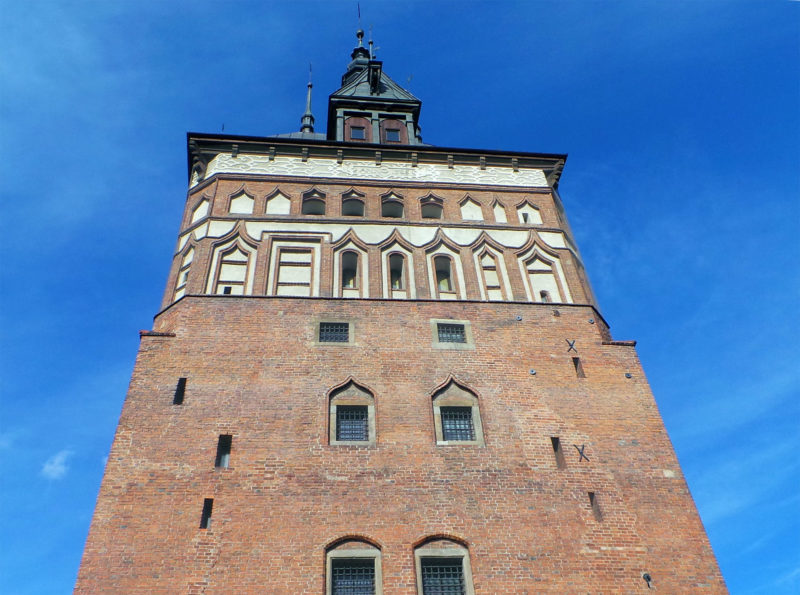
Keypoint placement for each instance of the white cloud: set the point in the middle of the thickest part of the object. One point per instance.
(56, 466)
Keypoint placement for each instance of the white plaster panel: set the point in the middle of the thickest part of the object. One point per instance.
(553, 239)
(463, 236)
(217, 229)
(242, 204)
(368, 170)
(471, 211)
(534, 217)
(499, 213)
(278, 204)
(201, 232)
(509, 238)
(200, 211)
(182, 241)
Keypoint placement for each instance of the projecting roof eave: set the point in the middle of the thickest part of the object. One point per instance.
(220, 143)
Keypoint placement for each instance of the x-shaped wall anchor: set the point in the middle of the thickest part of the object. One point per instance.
(580, 450)
(571, 345)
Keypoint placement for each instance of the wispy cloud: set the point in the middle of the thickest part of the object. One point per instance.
(56, 466)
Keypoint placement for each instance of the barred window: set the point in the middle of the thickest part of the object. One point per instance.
(451, 333)
(334, 332)
(353, 576)
(443, 576)
(351, 423)
(457, 423)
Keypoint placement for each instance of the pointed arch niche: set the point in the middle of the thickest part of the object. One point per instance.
(232, 268)
(200, 210)
(241, 203)
(351, 271)
(491, 268)
(445, 272)
(183, 273)
(278, 204)
(470, 209)
(528, 214)
(543, 276)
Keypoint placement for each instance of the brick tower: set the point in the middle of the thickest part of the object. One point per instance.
(379, 368)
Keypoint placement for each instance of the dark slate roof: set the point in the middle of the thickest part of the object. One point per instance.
(387, 89)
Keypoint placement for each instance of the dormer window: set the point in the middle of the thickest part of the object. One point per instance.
(357, 133)
(392, 135)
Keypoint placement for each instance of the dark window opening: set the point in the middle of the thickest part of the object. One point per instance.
(598, 514)
(180, 390)
(223, 451)
(576, 361)
(545, 296)
(431, 211)
(444, 279)
(457, 423)
(357, 133)
(442, 576)
(351, 423)
(349, 270)
(334, 332)
(352, 207)
(313, 206)
(396, 264)
(559, 454)
(524, 217)
(352, 576)
(226, 290)
(205, 517)
(392, 209)
(451, 333)
(392, 135)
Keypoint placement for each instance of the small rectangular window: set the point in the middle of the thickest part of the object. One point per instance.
(205, 518)
(559, 454)
(598, 514)
(451, 333)
(576, 361)
(457, 423)
(357, 133)
(442, 576)
(179, 392)
(223, 451)
(392, 135)
(227, 290)
(334, 332)
(353, 576)
(352, 423)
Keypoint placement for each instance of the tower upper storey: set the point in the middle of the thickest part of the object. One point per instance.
(370, 107)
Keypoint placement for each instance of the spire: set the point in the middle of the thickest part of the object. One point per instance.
(307, 121)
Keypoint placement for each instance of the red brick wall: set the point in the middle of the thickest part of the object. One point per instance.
(254, 372)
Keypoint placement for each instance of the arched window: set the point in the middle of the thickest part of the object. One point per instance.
(352, 207)
(431, 211)
(349, 270)
(351, 415)
(443, 566)
(457, 419)
(183, 273)
(313, 206)
(392, 207)
(353, 567)
(444, 277)
(397, 272)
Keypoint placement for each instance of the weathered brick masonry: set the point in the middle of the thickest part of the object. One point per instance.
(566, 481)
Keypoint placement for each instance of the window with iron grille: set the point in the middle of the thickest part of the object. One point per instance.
(442, 576)
(451, 333)
(334, 332)
(353, 576)
(457, 423)
(351, 423)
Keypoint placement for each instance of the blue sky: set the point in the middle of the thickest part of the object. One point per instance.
(682, 124)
